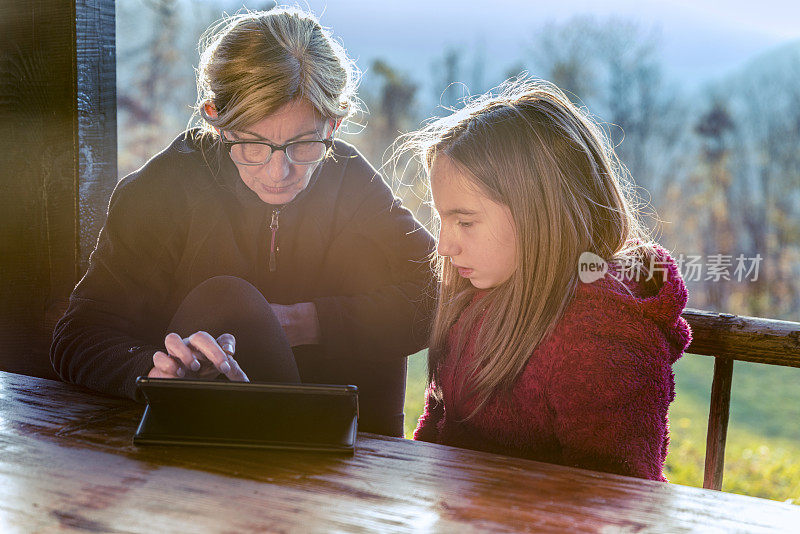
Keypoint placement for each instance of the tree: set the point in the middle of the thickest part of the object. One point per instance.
(390, 98)
(715, 192)
(611, 66)
(766, 100)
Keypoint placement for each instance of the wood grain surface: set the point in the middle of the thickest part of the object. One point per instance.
(67, 463)
(38, 171)
(58, 164)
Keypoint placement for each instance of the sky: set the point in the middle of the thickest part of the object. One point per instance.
(699, 40)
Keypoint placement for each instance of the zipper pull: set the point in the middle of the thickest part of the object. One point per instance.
(274, 241)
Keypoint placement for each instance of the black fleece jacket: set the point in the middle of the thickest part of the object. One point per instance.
(345, 244)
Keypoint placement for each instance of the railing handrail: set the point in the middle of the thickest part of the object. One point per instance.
(728, 338)
(744, 338)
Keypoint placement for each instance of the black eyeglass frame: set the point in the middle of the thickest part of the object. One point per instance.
(275, 148)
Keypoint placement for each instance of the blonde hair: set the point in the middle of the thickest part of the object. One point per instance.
(253, 63)
(530, 148)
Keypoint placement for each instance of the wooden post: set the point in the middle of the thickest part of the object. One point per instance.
(97, 120)
(58, 164)
(718, 423)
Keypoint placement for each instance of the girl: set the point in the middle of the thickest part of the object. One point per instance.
(525, 358)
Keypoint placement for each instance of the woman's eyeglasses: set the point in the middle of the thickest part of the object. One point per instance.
(259, 152)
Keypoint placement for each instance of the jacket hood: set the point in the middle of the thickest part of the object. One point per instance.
(619, 297)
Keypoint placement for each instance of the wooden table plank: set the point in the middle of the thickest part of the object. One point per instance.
(67, 462)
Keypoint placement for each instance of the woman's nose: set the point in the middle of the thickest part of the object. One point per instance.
(278, 167)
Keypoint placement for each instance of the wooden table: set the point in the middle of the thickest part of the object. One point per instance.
(67, 463)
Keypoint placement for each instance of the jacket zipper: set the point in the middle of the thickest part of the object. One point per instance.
(273, 245)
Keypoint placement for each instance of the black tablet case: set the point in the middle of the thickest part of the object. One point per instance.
(236, 414)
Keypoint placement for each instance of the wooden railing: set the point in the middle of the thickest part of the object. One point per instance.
(728, 338)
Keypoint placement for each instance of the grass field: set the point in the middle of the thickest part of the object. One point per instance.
(762, 456)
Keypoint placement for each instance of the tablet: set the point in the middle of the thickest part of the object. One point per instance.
(312, 417)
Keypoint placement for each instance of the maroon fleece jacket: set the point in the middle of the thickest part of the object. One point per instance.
(594, 393)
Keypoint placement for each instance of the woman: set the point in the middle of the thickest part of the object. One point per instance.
(528, 357)
(258, 235)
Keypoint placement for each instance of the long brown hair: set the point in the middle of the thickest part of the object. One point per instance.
(530, 148)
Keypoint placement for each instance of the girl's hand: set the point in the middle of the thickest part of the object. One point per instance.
(197, 356)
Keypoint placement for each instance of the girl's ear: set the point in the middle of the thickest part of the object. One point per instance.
(209, 109)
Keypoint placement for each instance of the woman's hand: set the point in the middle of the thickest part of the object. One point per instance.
(197, 356)
(300, 322)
